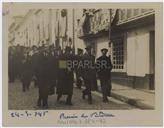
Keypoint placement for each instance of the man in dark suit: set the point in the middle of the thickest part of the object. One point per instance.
(65, 76)
(104, 67)
(42, 74)
(78, 68)
(89, 72)
(34, 59)
(52, 62)
(11, 63)
(26, 75)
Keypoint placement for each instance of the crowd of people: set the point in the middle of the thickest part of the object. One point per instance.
(56, 71)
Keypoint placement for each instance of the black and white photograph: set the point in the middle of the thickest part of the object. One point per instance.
(87, 58)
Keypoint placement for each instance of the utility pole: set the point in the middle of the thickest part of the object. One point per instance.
(109, 29)
(73, 40)
(66, 32)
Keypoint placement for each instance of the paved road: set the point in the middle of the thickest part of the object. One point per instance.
(19, 100)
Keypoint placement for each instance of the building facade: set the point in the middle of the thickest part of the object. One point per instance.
(44, 26)
(129, 35)
(11, 36)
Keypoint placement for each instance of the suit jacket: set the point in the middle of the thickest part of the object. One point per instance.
(104, 67)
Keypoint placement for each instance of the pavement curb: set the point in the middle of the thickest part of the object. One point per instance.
(131, 101)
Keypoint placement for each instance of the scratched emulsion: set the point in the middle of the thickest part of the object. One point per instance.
(19, 100)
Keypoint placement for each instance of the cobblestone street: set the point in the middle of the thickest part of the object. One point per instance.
(19, 100)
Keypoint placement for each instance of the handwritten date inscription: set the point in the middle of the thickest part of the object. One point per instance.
(29, 114)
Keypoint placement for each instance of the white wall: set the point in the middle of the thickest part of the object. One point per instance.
(138, 52)
(79, 43)
(53, 24)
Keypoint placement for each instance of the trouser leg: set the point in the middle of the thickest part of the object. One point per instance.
(84, 93)
(109, 86)
(28, 84)
(68, 100)
(24, 87)
(58, 97)
(35, 83)
(104, 84)
(45, 101)
(87, 91)
(79, 81)
(39, 99)
(89, 95)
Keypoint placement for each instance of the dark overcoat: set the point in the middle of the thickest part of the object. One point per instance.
(104, 67)
(11, 67)
(52, 62)
(26, 75)
(79, 66)
(42, 74)
(34, 61)
(90, 71)
(52, 76)
(65, 76)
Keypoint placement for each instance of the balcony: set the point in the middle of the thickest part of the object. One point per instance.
(99, 22)
(94, 24)
(127, 15)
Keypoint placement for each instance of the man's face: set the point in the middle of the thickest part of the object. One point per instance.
(104, 52)
(89, 51)
(35, 49)
(79, 52)
(68, 52)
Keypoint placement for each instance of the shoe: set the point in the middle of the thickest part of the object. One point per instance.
(69, 103)
(45, 107)
(39, 104)
(79, 87)
(90, 102)
(83, 96)
(58, 99)
(109, 94)
(105, 100)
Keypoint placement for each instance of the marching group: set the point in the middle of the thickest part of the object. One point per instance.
(54, 71)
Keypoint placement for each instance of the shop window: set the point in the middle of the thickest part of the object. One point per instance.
(118, 54)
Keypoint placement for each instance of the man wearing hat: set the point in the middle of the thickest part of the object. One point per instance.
(42, 73)
(79, 69)
(104, 67)
(89, 72)
(34, 59)
(65, 76)
(26, 74)
(52, 62)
